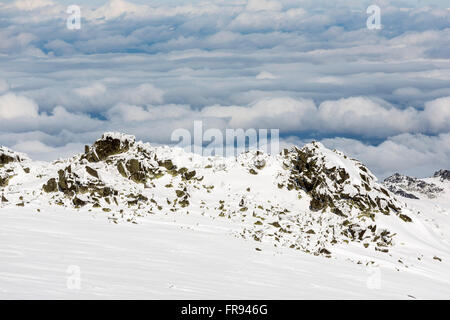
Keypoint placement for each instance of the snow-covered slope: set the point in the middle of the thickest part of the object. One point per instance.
(414, 188)
(308, 208)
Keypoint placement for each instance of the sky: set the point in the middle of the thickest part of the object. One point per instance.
(311, 69)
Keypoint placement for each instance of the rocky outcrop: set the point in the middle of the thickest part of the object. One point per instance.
(8, 156)
(7, 160)
(334, 187)
(110, 144)
(119, 155)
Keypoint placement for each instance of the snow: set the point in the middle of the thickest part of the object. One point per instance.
(159, 249)
(119, 136)
(183, 258)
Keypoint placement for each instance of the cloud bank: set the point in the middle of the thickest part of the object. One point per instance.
(310, 68)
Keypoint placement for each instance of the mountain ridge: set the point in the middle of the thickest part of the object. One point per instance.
(311, 198)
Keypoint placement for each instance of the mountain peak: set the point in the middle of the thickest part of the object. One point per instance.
(443, 174)
(109, 144)
(412, 188)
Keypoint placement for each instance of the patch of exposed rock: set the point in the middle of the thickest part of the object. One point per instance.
(8, 158)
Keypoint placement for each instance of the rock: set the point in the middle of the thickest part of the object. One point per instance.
(189, 175)
(5, 159)
(4, 181)
(110, 144)
(78, 202)
(180, 193)
(405, 218)
(260, 164)
(122, 170)
(184, 203)
(4, 199)
(139, 177)
(135, 169)
(62, 181)
(166, 164)
(50, 186)
(92, 172)
(133, 166)
(404, 194)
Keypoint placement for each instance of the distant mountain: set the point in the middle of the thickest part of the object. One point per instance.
(415, 188)
(442, 174)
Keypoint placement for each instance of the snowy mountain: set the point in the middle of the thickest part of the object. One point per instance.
(414, 188)
(304, 201)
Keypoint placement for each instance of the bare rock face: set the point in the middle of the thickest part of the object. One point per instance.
(50, 186)
(5, 159)
(110, 144)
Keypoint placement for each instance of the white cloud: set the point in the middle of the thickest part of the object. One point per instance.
(361, 115)
(4, 85)
(29, 5)
(13, 106)
(132, 113)
(264, 5)
(115, 8)
(32, 146)
(143, 94)
(91, 91)
(37, 150)
(265, 75)
(286, 113)
(169, 61)
(408, 92)
(412, 154)
(437, 113)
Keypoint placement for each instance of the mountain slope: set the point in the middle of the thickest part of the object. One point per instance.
(308, 200)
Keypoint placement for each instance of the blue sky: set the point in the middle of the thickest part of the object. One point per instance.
(310, 68)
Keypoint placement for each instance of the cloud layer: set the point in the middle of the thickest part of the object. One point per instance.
(310, 68)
